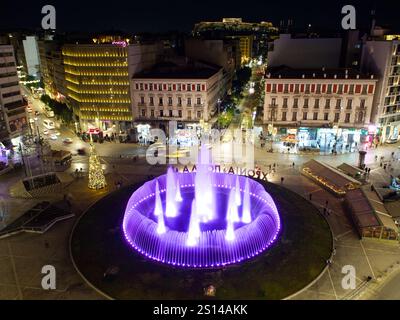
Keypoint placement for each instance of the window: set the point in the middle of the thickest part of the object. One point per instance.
(296, 88)
(329, 90)
(160, 101)
(307, 88)
(273, 102)
(198, 87)
(143, 112)
(327, 103)
(199, 114)
(340, 89)
(11, 94)
(170, 113)
(169, 87)
(347, 119)
(337, 115)
(326, 116)
(151, 87)
(284, 116)
(198, 101)
(179, 101)
(141, 86)
(304, 115)
(161, 113)
(306, 103)
(316, 104)
(364, 89)
(294, 116)
(137, 86)
(180, 113)
(338, 103)
(159, 87)
(286, 90)
(360, 117)
(362, 103)
(273, 88)
(142, 100)
(152, 113)
(189, 114)
(351, 90)
(188, 86)
(189, 101)
(349, 103)
(285, 102)
(170, 101)
(318, 88)
(151, 102)
(179, 87)
(315, 116)
(295, 102)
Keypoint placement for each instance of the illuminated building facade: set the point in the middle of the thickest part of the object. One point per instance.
(322, 105)
(383, 58)
(13, 121)
(187, 94)
(97, 85)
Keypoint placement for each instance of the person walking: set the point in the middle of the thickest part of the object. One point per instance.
(282, 178)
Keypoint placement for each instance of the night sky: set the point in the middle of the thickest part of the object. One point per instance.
(166, 15)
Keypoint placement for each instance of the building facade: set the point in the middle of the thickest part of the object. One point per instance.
(383, 58)
(31, 50)
(97, 85)
(187, 94)
(315, 104)
(13, 120)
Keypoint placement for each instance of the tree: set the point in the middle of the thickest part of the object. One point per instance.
(97, 179)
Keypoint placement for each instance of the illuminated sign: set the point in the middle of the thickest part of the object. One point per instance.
(122, 43)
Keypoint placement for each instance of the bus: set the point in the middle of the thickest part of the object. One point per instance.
(49, 124)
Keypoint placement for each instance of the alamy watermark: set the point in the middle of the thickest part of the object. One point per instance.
(229, 146)
(49, 20)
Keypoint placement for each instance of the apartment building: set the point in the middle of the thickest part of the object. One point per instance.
(318, 101)
(13, 120)
(382, 57)
(186, 92)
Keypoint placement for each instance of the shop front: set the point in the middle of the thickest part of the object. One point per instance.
(325, 139)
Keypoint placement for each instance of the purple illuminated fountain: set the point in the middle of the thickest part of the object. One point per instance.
(201, 220)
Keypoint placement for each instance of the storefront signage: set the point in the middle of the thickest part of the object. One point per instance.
(252, 173)
(121, 43)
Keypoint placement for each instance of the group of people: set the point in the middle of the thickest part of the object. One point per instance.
(79, 173)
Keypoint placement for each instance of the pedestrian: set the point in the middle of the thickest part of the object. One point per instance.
(381, 165)
(81, 172)
(384, 167)
(369, 170)
(293, 164)
(282, 178)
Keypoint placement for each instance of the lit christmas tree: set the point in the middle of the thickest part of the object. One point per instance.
(96, 175)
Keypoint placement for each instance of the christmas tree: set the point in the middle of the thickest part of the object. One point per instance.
(96, 175)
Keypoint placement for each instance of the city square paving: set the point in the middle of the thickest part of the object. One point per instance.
(22, 256)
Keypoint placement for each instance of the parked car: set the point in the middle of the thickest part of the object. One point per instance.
(53, 137)
(391, 141)
(67, 141)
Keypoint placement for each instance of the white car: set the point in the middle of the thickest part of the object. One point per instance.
(57, 133)
(53, 137)
(391, 141)
(46, 132)
(67, 140)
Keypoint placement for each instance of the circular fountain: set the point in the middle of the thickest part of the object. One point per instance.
(201, 220)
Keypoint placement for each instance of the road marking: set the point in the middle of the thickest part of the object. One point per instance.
(343, 234)
(14, 271)
(365, 253)
(333, 287)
